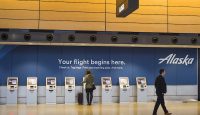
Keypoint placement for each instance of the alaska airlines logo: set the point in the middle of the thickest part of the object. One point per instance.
(172, 59)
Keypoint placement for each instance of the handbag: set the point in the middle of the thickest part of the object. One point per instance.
(93, 87)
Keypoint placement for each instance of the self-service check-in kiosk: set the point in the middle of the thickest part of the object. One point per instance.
(124, 89)
(12, 89)
(106, 89)
(141, 89)
(31, 90)
(69, 89)
(51, 90)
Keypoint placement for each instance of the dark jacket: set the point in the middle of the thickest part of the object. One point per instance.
(160, 85)
(89, 80)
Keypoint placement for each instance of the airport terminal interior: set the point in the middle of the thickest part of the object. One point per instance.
(98, 57)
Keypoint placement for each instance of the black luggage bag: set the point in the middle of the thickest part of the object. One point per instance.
(80, 98)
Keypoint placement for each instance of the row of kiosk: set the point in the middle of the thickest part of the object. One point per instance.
(12, 90)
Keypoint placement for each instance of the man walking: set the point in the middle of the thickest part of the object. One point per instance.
(161, 89)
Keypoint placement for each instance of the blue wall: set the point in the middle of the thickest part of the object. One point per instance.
(42, 61)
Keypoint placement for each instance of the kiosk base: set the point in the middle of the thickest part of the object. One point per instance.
(106, 97)
(11, 97)
(31, 97)
(50, 97)
(124, 96)
(141, 95)
(69, 96)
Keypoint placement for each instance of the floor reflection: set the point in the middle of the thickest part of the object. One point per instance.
(177, 108)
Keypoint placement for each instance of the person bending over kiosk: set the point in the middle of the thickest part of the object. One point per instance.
(89, 84)
(161, 89)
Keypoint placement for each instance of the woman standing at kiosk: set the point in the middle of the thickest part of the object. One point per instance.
(89, 86)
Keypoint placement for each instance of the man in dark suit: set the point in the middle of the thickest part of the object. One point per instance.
(161, 89)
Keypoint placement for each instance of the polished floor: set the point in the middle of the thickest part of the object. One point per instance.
(177, 108)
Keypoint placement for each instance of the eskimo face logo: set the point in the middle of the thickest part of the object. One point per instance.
(172, 59)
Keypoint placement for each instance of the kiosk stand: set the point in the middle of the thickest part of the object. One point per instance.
(124, 89)
(141, 89)
(12, 87)
(51, 90)
(106, 89)
(69, 90)
(84, 93)
(31, 90)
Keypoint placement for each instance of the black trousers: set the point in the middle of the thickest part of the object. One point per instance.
(160, 100)
(89, 93)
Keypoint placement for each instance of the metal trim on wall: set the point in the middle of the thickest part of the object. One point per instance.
(98, 38)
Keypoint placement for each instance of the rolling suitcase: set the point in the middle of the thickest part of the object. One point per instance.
(80, 98)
